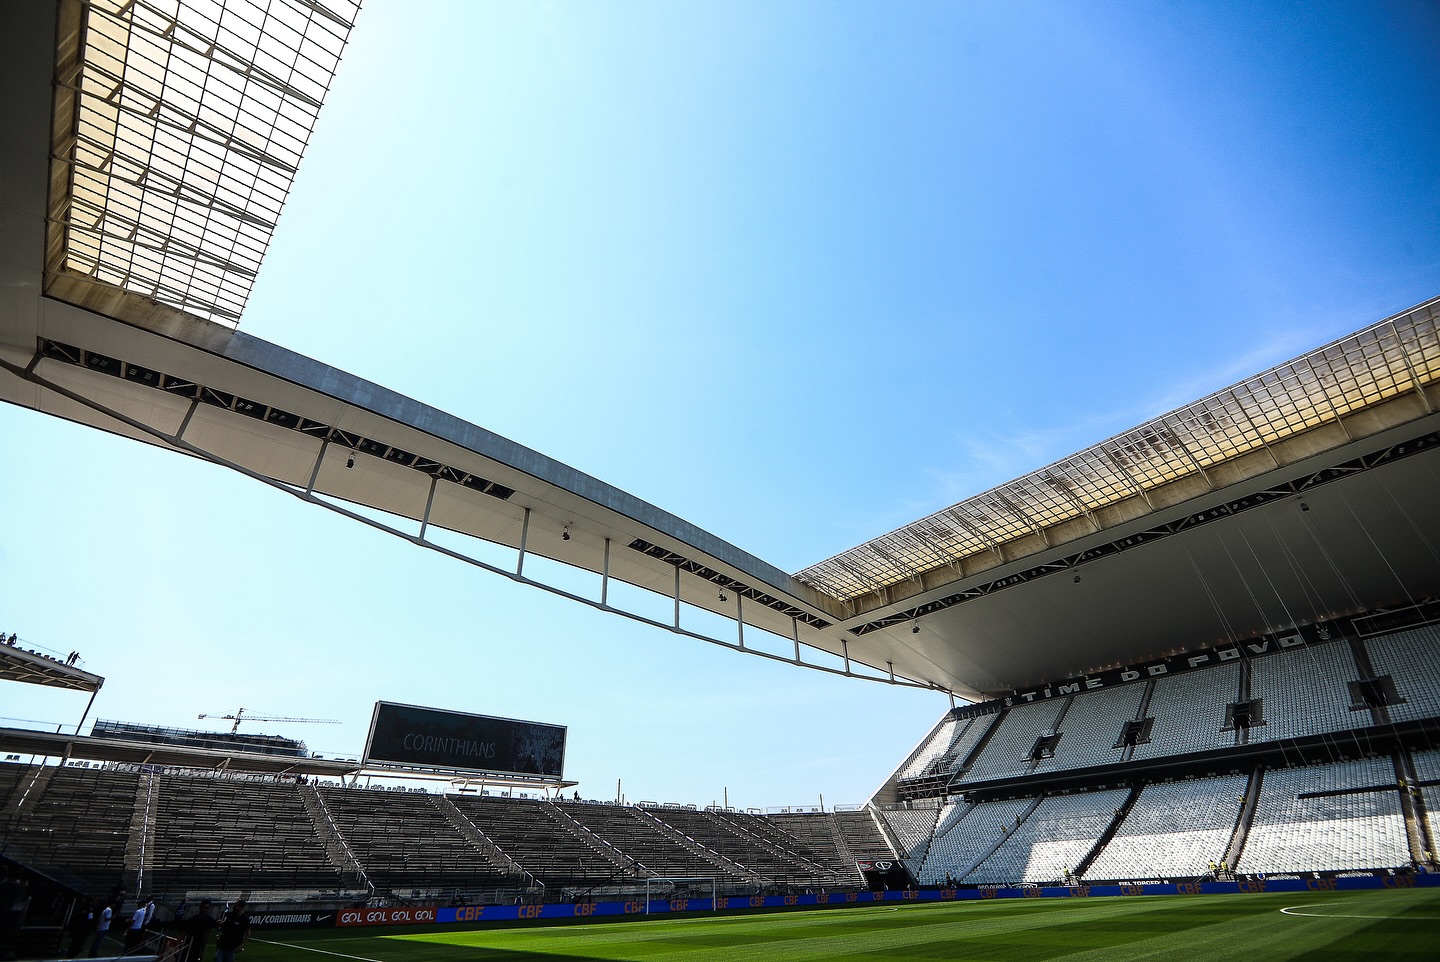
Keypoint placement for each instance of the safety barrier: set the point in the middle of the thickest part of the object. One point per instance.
(552, 910)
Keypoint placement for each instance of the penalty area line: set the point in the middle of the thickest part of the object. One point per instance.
(306, 948)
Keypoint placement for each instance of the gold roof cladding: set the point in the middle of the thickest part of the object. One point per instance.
(178, 129)
(1394, 358)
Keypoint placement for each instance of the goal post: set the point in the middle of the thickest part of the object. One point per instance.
(665, 886)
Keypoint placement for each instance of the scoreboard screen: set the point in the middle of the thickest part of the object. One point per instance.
(417, 737)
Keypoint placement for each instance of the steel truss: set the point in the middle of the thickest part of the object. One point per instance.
(310, 496)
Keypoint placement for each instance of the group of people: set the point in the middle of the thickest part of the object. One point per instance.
(233, 931)
(92, 927)
(10, 642)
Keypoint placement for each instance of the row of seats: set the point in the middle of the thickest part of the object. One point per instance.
(1007, 751)
(835, 840)
(861, 835)
(966, 833)
(79, 822)
(766, 856)
(1091, 733)
(539, 842)
(1410, 657)
(12, 778)
(912, 830)
(926, 759)
(220, 833)
(1052, 841)
(1427, 765)
(1173, 829)
(1340, 816)
(1189, 712)
(1300, 827)
(1303, 690)
(638, 835)
(195, 832)
(404, 840)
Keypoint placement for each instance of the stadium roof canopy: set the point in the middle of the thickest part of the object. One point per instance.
(33, 668)
(148, 151)
(22, 741)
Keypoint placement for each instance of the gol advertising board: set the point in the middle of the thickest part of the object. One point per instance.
(418, 737)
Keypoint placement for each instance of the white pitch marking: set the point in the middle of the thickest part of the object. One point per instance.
(1293, 910)
(306, 948)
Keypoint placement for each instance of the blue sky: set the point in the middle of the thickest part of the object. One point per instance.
(796, 272)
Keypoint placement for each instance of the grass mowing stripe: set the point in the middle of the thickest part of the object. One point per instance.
(1396, 924)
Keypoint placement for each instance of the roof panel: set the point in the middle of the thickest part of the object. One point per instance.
(1387, 359)
(191, 119)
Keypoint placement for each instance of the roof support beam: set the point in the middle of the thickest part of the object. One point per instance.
(605, 577)
(739, 616)
(677, 597)
(1414, 375)
(524, 537)
(309, 496)
(429, 503)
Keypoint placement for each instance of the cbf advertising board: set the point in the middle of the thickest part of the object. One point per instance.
(416, 737)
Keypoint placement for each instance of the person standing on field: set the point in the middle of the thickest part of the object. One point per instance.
(234, 932)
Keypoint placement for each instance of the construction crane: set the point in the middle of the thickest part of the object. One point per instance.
(240, 716)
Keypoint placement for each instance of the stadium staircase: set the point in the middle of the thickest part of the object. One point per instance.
(820, 835)
(756, 825)
(29, 788)
(12, 776)
(1059, 723)
(1242, 732)
(888, 834)
(1141, 714)
(469, 831)
(722, 864)
(1004, 837)
(842, 844)
(1427, 817)
(958, 775)
(1246, 818)
(1379, 714)
(592, 840)
(336, 848)
(1121, 814)
(796, 854)
(28, 793)
(1412, 807)
(139, 842)
(913, 847)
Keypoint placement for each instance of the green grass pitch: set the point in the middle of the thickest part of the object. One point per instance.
(1391, 925)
